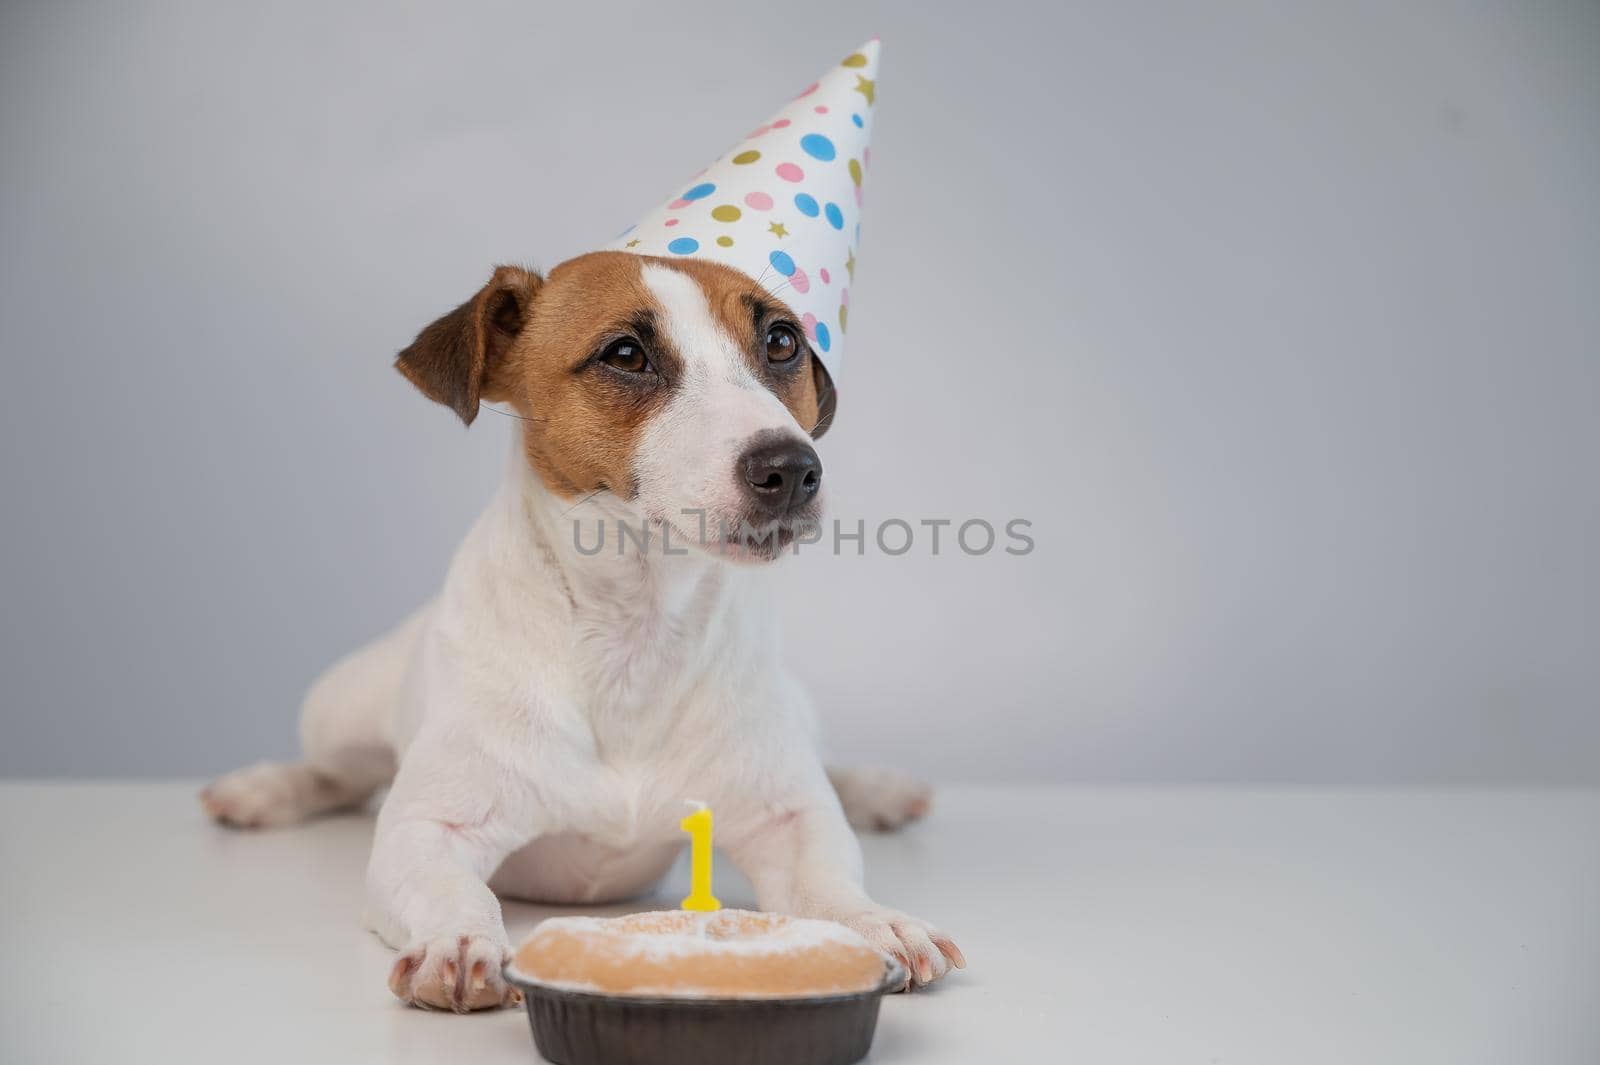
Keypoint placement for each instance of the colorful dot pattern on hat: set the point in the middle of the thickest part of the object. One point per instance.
(784, 205)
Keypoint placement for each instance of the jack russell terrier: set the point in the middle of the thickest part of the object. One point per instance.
(541, 722)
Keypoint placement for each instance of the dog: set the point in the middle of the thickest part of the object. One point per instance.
(541, 723)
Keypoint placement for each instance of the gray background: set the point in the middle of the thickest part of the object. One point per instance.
(1279, 322)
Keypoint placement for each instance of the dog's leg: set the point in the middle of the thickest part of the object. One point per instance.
(806, 861)
(271, 794)
(344, 729)
(443, 830)
(880, 800)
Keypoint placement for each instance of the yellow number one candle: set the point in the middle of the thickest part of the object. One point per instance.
(698, 825)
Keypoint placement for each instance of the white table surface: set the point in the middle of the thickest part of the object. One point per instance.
(1207, 926)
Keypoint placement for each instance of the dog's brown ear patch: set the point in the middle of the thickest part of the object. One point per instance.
(454, 360)
(827, 398)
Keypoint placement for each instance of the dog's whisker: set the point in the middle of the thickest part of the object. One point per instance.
(582, 501)
(510, 414)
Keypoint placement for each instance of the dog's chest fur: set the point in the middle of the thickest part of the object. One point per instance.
(646, 639)
(631, 680)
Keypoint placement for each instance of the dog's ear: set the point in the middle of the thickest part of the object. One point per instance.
(455, 360)
(827, 398)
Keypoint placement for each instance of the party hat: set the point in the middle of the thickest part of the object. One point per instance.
(784, 204)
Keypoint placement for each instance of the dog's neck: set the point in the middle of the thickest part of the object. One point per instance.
(647, 625)
(648, 607)
(599, 542)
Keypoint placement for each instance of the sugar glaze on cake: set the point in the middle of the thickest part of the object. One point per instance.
(683, 954)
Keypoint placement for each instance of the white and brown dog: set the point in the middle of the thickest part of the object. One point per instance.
(542, 721)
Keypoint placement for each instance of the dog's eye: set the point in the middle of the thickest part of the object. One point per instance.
(782, 344)
(627, 355)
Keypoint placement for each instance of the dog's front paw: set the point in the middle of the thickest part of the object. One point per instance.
(926, 952)
(459, 973)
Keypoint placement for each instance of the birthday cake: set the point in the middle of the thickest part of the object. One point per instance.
(682, 987)
(678, 953)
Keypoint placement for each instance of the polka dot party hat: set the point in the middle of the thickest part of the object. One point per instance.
(784, 204)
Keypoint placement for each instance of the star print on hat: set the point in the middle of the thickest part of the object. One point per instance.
(784, 204)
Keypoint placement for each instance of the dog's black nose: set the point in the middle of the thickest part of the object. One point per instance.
(781, 475)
